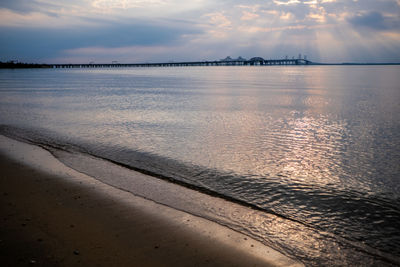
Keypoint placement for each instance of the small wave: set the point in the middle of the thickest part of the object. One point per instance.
(317, 224)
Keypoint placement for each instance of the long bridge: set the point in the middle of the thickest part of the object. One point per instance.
(252, 62)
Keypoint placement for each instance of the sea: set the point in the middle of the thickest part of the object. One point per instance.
(305, 159)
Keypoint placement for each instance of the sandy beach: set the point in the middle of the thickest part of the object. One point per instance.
(53, 215)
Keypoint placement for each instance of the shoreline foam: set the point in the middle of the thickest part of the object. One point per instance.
(55, 215)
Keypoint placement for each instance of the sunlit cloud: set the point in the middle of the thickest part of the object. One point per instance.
(286, 16)
(318, 15)
(249, 15)
(125, 4)
(289, 2)
(311, 2)
(219, 24)
(218, 20)
(252, 8)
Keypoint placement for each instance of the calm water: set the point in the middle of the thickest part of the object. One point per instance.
(319, 146)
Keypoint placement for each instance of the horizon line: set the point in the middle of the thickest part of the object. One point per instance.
(223, 62)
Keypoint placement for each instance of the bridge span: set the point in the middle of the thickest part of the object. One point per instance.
(251, 62)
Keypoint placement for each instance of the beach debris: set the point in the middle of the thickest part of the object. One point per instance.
(32, 262)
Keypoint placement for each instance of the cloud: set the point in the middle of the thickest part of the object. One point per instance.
(19, 5)
(249, 15)
(286, 2)
(218, 25)
(151, 30)
(219, 20)
(47, 43)
(118, 4)
(286, 16)
(45, 6)
(373, 20)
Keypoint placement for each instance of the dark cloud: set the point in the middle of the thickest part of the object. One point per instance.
(374, 20)
(23, 6)
(27, 6)
(51, 42)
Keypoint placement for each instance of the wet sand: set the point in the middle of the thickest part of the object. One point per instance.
(52, 215)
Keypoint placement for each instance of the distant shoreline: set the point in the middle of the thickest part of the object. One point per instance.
(19, 65)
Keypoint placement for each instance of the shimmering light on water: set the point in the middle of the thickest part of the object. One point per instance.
(318, 144)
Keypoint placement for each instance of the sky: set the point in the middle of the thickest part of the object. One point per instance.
(136, 31)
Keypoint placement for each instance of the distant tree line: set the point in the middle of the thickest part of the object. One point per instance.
(19, 65)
